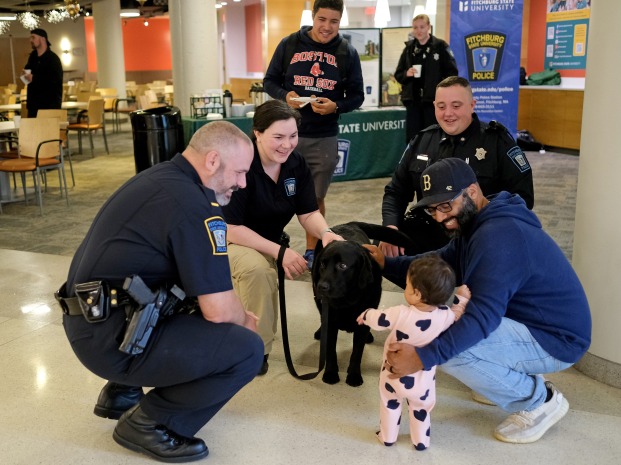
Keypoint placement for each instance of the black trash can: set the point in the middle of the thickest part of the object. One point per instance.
(158, 135)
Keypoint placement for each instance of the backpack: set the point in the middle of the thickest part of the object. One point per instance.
(526, 141)
(341, 55)
(549, 77)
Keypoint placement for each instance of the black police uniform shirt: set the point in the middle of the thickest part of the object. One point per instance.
(493, 154)
(162, 225)
(266, 206)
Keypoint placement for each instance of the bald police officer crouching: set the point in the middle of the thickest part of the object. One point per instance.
(164, 227)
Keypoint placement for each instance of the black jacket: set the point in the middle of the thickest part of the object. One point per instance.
(499, 164)
(46, 88)
(437, 62)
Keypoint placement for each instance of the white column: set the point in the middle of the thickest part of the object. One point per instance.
(597, 250)
(195, 58)
(109, 45)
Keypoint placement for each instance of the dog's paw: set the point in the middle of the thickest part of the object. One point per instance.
(370, 339)
(331, 378)
(354, 379)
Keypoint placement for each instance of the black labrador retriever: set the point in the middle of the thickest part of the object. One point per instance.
(347, 279)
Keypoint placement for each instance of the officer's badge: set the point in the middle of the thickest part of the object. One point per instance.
(216, 230)
(290, 187)
(436, 56)
(480, 153)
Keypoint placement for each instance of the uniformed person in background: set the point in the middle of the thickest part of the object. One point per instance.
(491, 151)
(166, 226)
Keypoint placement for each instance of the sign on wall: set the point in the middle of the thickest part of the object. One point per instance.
(486, 44)
(567, 27)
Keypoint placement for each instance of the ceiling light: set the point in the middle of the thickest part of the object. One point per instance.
(4, 27)
(382, 13)
(344, 18)
(7, 17)
(56, 16)
(29, 20)
(307, 15)
(130, 13)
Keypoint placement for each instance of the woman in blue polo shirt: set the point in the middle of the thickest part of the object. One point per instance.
(279, 186)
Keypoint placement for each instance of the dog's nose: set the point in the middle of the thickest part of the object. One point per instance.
(324, 286)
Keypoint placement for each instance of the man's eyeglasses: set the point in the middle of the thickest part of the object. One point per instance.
(443, 207)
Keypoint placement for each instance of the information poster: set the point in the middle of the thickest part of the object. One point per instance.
(393, 43)
(367, 44)
(567, 27)
(486, 43)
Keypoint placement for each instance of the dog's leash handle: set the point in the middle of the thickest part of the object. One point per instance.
(283, 323)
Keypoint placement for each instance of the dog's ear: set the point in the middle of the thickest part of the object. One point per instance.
(365, 277)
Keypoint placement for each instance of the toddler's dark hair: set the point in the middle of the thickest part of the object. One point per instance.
(433, 278)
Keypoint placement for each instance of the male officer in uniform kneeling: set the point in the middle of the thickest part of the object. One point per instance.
(159, 237)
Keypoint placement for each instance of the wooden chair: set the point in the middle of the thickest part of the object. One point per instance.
(90, 121)
(62, 117)
(40, 150)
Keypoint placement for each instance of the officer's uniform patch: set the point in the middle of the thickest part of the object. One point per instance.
(216, 229)
(290, 187)
(518, 158)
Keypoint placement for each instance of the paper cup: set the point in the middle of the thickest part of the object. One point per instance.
(417, 70)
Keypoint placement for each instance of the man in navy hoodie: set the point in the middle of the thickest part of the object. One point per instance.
(528, 314)
(318, 73)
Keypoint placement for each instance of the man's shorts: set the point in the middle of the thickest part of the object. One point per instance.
(322, 156)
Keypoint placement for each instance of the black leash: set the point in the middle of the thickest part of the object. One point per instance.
(283, 324)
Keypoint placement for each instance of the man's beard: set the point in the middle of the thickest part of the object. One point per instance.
(222, 197)
(464, 218)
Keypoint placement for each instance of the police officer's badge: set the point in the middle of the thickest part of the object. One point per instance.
(480, 153)
(290, 187)
(436, 56)
(216, 230)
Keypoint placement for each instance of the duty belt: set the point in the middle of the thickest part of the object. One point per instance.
(71, 305)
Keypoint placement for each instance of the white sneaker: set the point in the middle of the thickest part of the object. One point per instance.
(524, 427)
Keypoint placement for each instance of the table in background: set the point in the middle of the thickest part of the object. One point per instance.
(371, 142)
(64, 105)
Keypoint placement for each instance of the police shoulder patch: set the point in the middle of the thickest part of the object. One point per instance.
(519, 158)
(290, 186)
(216, 230)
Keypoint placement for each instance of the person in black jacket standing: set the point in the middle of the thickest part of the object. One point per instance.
(317, 63)
(425, 61)
(489, 149)
(45, 79)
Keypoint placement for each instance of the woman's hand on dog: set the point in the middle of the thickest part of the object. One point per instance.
(293, 263)
(376, 254)
(402, 359)
(330, 236)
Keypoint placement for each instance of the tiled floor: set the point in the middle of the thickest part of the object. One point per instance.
(47, 396)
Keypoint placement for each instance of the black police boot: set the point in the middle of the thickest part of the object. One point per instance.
(265, 365)
(137, 432)
(115, 399)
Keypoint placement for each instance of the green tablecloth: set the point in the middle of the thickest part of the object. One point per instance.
(371, 142)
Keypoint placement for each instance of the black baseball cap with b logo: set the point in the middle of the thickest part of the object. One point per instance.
(441, 181)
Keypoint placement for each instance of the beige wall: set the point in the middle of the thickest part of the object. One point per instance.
(282, 18)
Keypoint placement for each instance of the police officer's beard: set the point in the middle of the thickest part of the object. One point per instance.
(464, 218)
(222, 198)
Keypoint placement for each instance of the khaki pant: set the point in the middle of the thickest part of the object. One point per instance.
(255, 280)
